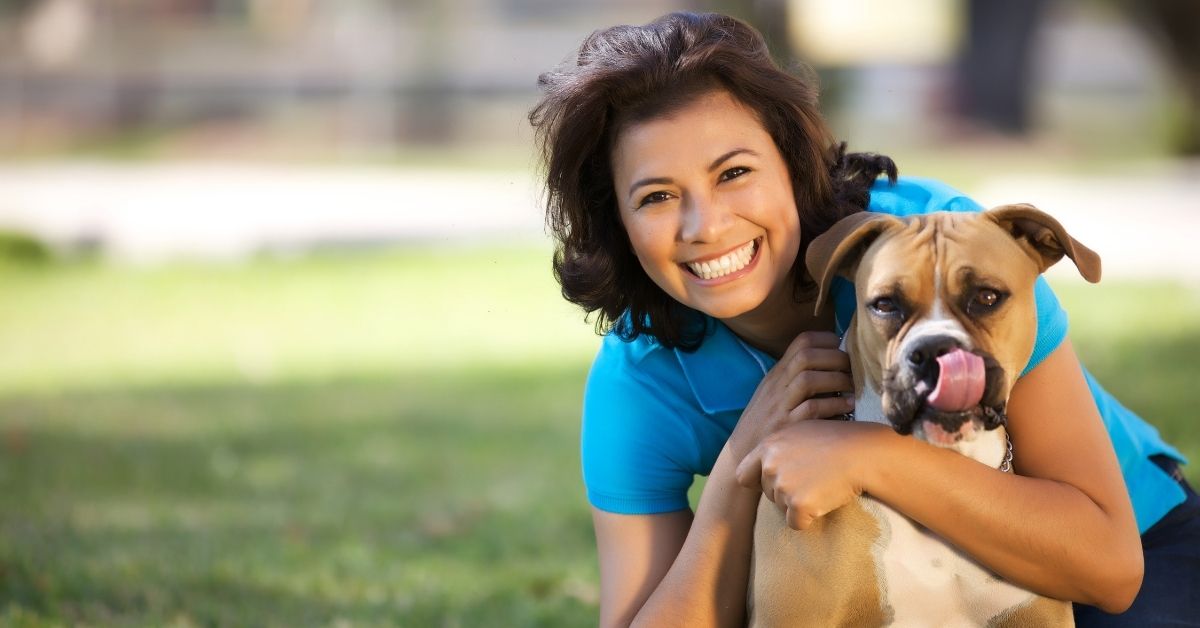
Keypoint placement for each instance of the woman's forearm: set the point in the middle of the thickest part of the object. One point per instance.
(706, 585)
(1045, 535)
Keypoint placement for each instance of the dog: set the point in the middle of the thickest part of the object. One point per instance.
(945, 321)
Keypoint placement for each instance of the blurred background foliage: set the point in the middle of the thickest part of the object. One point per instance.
(279, 343)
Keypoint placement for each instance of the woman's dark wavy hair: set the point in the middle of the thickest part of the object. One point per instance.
(629, 74)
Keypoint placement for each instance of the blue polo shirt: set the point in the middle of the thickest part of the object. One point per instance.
(655, 417)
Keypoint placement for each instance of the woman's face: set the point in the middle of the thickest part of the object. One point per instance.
(707, 202)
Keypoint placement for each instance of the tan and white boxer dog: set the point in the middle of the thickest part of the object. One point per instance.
(945, 321)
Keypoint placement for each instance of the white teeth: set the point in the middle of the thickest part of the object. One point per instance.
(726, 264)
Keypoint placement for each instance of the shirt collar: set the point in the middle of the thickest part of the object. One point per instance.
(724, 371)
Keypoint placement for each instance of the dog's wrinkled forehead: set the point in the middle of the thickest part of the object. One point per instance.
(943, 255)
(978, 269)
(965, 277)
(947, 276)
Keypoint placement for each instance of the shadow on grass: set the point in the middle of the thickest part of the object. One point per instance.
(415, 499)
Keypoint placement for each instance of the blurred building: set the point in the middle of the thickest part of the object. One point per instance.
(352, 75)
(189, 86)
(359, 77)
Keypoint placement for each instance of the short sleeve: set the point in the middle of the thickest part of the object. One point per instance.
(638, 450)
(1051, 324)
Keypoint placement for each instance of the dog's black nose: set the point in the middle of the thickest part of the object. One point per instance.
(930, 349)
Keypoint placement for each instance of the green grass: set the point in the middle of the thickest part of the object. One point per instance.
(384, 439)
(373, 499)
(91, 325)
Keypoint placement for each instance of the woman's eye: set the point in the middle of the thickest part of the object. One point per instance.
(654, 197)
(734, 173)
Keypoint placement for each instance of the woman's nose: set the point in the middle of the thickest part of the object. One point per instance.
(704, 220)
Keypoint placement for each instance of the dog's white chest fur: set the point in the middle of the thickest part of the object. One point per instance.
(924, 580)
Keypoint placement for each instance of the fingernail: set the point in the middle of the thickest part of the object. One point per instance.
(849, 402)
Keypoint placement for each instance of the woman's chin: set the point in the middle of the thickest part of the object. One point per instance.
(728, 307)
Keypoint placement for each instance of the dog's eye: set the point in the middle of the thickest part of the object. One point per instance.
(884, 306)
(984, 301)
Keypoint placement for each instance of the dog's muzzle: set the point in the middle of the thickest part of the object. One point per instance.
(940, 381)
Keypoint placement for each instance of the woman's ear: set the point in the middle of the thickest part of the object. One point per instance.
(1044, 239)
(838, 250)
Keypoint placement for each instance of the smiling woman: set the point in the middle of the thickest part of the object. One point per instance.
(687, 175)
(717, 234)
(628, 82)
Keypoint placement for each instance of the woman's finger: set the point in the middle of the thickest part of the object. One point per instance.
(799, 519)
(816, 359)
(816, 384)
(749, 470)
(822, 408)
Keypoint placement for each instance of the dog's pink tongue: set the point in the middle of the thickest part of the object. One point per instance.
(960, 382)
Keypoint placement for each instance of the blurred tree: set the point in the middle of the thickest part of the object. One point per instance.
(13, 7)
(1175, 28)
(994, 65)
(770, 17)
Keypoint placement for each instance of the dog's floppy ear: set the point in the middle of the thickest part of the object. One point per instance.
(1044, 239)
(838, 250)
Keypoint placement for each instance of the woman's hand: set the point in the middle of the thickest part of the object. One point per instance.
(802, 385)
(811, 468)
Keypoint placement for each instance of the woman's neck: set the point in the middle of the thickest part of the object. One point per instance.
(772, 326)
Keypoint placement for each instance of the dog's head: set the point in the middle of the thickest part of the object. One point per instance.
(945, 318)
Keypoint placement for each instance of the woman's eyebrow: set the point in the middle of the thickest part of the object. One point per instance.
(650, 181)
(667, 180)
(723, 158)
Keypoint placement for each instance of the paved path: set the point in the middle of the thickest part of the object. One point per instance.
(226, 211)
(1141, 224)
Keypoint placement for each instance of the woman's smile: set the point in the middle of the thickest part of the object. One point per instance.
(725, 267)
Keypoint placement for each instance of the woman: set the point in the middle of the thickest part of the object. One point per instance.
(686, 176)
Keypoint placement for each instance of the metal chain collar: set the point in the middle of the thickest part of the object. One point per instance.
(1006, 464)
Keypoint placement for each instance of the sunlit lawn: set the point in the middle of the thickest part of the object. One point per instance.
(385, 439)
